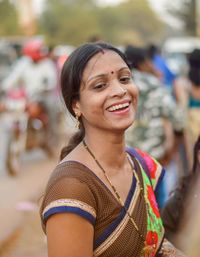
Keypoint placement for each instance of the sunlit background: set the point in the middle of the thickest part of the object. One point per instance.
(173, 26)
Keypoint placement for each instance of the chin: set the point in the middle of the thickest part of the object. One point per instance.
(124, 127)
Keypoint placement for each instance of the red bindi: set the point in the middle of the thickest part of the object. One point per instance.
(112, 72)
(102, 51)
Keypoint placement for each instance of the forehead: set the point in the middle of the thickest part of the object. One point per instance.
(103, 63)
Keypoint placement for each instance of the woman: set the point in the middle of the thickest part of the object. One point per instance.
(99, 200)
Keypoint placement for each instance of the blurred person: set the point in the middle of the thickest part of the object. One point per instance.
(62, 118)
(158, 118)
(99, 200)
(170, 80)
(189, 97)
(56, 112)
(194, 95)
(36, 73)
(182, 207)
(167, 76)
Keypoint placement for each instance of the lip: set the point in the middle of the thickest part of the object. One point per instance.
(117, 103)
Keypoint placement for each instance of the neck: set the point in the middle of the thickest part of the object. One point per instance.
(108, 149)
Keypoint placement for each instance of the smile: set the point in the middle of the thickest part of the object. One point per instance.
(118, 107)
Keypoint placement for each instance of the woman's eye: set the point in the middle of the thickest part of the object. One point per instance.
(99, 86)
(125, 79)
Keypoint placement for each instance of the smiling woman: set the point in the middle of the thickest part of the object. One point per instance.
(100, 198)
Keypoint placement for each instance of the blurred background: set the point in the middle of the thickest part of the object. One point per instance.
(34, 125)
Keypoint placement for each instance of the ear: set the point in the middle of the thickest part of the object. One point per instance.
(76, 107)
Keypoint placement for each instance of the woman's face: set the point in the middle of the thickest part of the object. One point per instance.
(108, 96)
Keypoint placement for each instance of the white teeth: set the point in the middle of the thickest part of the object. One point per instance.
(117, 107)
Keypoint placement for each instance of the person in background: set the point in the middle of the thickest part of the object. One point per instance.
(189, 99)
(167, 76)
(36, 74)
(56, 112)
(194, 95)
(34, 71)
(158, 118)
(174, 212)
(100, 194)
(171, 81)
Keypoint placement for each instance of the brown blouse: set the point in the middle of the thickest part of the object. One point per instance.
(74, 188)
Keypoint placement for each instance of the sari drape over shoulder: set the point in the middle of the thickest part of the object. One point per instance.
(74, 188)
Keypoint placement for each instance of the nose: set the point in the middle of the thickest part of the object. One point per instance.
(118, 89)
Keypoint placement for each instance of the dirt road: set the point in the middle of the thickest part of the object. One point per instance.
(21, 234)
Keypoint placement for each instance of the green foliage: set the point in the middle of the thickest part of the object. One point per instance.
(187, 14)
(131, 22)
(65, 22)
(8, 19)
(76, 21)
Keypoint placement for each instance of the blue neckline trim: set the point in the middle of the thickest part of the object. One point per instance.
(110, 229)
(128, 199)
(70, 209)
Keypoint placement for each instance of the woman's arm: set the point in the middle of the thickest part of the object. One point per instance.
(68, 235)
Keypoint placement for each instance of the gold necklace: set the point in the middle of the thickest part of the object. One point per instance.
(147, 250)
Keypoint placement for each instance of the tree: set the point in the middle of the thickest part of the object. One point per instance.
(8, 19)
(131, 22)
(75, 21)
(69, 22)
(186, 13)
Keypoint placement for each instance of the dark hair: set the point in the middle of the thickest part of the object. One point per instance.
(135, 56)
(71, 78)
(194, 69)
(194, 76)
(194, 58)
(152, 50)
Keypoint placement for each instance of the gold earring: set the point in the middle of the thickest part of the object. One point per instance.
(77, 121)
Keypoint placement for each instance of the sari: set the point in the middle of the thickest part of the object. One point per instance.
(74, 188)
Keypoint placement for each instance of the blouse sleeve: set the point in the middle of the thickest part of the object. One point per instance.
(68, 194)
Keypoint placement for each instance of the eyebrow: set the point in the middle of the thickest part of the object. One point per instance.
(104, 74)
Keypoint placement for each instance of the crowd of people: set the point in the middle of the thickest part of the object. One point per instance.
(132, 163)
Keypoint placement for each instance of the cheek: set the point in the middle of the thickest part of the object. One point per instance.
(90, 105)
(134, 93)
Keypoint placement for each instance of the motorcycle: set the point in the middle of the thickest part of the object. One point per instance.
(28, 126)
